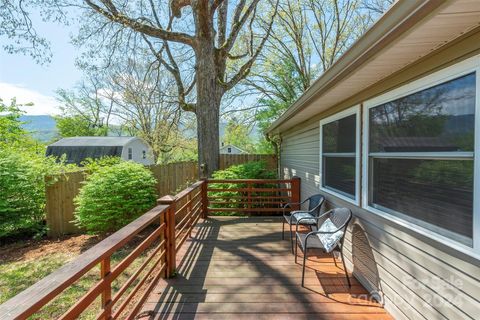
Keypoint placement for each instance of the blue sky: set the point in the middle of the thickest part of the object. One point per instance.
(22, 78)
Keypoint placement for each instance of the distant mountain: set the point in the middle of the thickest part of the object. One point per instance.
(42, 127)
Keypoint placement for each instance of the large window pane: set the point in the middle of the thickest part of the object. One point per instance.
(339, 174)
(437, 119)
(339, 136)
(437, 194)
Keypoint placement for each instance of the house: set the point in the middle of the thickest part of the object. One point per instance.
(392, 131)
(231, 149)
(77, 149)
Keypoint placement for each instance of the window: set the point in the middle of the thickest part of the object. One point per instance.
(419, 155)
(144, 154)
(130, 154)
(339, 154)
(229, 150)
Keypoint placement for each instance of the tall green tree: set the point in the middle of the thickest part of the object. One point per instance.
(11, 130)
(306, 39)
(238, 134)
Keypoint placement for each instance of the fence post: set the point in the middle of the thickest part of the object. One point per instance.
(296, 191)
(171, 254)
(107, 292)
(204, 199)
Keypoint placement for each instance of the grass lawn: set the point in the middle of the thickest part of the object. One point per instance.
(23, 264)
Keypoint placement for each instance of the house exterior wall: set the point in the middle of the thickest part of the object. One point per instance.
(415, 276)
(138, 146)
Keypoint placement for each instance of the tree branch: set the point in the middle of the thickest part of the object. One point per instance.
(245, 69)
(173, 68)
(112, 13)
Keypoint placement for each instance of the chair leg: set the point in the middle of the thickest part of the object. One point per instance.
(345, 268)
(291, 237)
(303, 268)
(296, 248)
(283, 229)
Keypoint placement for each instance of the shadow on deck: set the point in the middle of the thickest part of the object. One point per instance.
(239, 268)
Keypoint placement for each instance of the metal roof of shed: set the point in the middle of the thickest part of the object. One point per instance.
(94, 141)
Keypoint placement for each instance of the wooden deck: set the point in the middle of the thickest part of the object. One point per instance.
(239, 268)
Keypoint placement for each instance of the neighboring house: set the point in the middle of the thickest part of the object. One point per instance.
(392, 131)
(231, 149)
(77, 149)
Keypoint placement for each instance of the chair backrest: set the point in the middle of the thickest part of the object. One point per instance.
(341, 217)
(315, 203)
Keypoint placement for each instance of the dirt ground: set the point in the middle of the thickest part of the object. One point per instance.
(27, 250)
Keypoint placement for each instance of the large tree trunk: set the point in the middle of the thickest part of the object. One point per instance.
(207, 131)
(209, 92)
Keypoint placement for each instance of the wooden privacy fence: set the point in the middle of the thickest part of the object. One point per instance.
(157, 236)
(170, 179)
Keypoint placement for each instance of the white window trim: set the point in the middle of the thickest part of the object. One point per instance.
(355, 110)
(460, 69)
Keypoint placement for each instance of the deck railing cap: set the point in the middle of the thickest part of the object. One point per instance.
(166, 199)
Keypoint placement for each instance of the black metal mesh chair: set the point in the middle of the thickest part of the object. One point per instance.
(328, 236)
(302, 217)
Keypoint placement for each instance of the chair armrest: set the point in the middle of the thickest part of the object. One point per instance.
(315, 218)
(290, 205)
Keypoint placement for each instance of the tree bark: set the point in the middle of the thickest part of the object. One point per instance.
(209, 91)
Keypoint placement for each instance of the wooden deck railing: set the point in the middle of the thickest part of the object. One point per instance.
(251, 196)
(165, 228)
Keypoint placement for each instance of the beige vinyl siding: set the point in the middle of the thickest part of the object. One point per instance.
(417, 277)
(401, 265)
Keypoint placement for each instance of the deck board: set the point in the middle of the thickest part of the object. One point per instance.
(239, 268)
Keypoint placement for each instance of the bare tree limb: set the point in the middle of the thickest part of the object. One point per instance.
(114, 15)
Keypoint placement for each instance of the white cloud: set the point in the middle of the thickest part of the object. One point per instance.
(43, 104)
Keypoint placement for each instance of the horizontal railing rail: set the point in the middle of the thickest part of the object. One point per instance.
(251, 196)
(44, 291)
(162, 232)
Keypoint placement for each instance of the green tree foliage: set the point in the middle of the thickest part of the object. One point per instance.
(75, 126)
(11, 131)
(23, 167)
(113, 196)
(289, 83)
(238, 134)
(249, 170)
(22, 190)
(22, 195)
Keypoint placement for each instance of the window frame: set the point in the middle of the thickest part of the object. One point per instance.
(457, 70)
(130, 153)
(355, 110)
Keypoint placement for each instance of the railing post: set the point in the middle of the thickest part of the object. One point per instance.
(204, 199)
(162, 237)
(296, 191)
(107, 292)
(249, 197)
(171, 254)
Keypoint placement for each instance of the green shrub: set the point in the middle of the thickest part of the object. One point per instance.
(250, 170)
(93, 165)
(113, 196)
(22, 191)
